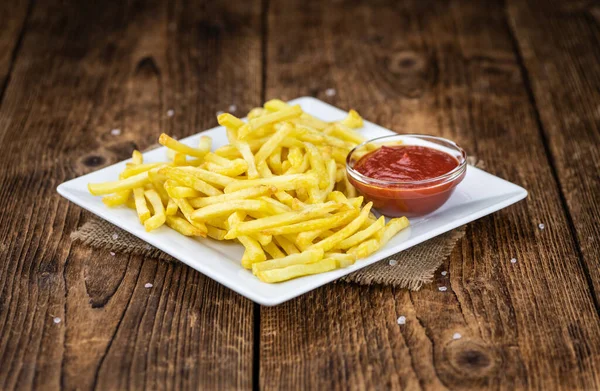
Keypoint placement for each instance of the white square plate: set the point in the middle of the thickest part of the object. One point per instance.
(478, 195)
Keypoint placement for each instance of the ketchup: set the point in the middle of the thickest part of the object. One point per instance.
(402, 163)
(394, 176)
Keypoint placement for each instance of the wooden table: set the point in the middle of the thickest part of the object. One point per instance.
(517, 83)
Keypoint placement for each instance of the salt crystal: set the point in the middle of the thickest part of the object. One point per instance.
(148, 285)
(232, 108)
(115, 236)
(148, 247)
(330, 92)
(393, 262)
(170, 113)
(541, 226)
(444, 273)
(401, 320)
(220, 112)
(115, 132)
(442, 289)
(112, 253)
(56, 320)
(513, 260)
(456, 336)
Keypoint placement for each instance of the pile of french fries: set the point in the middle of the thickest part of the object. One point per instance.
(279, 188)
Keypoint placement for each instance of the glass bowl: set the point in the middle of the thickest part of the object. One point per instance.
(407, 198)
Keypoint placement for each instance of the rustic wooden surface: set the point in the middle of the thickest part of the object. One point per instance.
(516, 83)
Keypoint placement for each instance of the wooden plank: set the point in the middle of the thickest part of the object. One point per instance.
(83, 70)
(449, 69)
(14, 15)
(559, 42)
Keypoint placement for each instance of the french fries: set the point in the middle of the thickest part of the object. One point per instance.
(279, 188)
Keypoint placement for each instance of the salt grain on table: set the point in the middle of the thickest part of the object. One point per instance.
(115, 132)
(232, 108)
(115, 236)
(56, 320)
(444, 273)
(112, 253)
(220, 112)
(330, 92)
(442, 289)
(393, 262)
(401, 320)
(541, 226)
(170, 113)
(148, 285)
(513, 260)
(456, 336)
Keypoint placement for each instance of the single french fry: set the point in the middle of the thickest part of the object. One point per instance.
(229, 121)
(353, 120)
(177, 146)
(363, 235)
(330, 242)
(119, 198)
(305, 257)
(139, 168)
(254, 252)
(393, 226)
(273, 143)
(130, 183)
(137, 157)
(350, 190)
(238, 168)
(287, 273)
(182, 226)
(252, 192)
(246, 152)
(140, 204)
(226, 208)
(159, 217)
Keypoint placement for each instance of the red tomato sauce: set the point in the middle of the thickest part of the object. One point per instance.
(406, 163)
(401, 163)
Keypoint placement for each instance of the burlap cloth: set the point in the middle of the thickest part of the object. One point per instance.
(413, 267)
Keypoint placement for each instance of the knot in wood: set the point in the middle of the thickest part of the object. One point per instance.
(93, 160)
(470, 359)
(407, 62)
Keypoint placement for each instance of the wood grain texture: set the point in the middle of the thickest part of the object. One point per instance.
(451, 69)
(83, 69)
(14, 16)
(560, 46)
